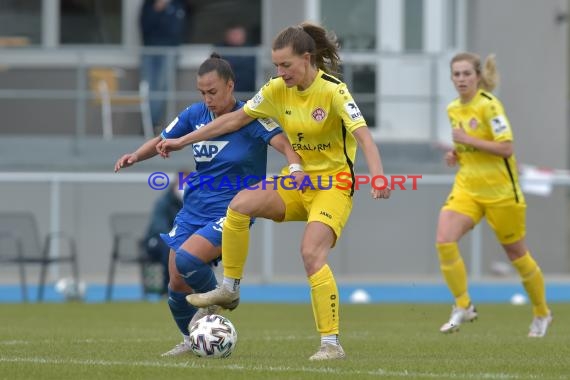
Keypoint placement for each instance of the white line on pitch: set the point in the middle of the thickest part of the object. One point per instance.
(238, 367)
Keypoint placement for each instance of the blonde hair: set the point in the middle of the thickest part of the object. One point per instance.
(488, 74)
(311, 38)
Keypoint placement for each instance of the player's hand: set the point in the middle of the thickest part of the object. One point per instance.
(125, 161)
(460, 136)
(381, 193)
(164, 147)
(451, 158)
(298, 179)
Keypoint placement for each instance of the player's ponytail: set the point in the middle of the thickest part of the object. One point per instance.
(489, 74)
(313, 39)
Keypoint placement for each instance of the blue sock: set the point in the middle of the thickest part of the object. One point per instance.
(196, 273)
(182, 311)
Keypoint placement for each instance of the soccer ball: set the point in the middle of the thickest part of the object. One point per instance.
(70, 289)
(213, 336)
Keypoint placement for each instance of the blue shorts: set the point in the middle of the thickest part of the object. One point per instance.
(181, 231)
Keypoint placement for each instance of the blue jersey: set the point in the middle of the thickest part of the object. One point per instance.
(224, 165)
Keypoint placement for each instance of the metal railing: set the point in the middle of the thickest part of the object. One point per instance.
(375, 93)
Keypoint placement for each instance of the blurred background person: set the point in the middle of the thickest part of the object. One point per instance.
(161, 221)
(244, 66)
(162, 24)
(486, 185)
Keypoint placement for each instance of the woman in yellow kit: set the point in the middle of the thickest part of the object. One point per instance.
(324, 125)
(485, 185)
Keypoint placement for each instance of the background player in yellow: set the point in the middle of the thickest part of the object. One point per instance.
(486, 184)
(324, 125)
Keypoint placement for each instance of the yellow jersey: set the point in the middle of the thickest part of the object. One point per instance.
(319, 122)
(487, 177)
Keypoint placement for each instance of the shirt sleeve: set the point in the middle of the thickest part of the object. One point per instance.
(180, 126)
(347, 109)
(261, 105)
(499, 123)
(264, 128)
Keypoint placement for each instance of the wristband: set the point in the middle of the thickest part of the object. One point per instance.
(295, 168)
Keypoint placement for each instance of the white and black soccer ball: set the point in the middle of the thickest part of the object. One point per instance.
(213, 336)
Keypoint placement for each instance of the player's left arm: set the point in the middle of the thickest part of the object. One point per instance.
(347, 109)
(372, 155)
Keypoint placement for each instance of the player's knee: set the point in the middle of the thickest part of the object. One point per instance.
(444, 236)
(177, 284)
(313, 260)
(440, 240)
(184, 263)
(243, 203)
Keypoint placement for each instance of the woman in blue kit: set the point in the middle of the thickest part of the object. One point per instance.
(195, 239)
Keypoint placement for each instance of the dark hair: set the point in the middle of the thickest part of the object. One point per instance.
(219, 65)
(313, 39)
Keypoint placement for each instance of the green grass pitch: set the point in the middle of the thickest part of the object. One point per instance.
(382, 341)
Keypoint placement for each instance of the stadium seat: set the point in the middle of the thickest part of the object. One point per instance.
(104, 84)
(128, 230)
(20, 244)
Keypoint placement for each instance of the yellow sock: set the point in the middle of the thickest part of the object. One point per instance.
(533, 282)
(453, 270)
(235, 243)
(325, 302)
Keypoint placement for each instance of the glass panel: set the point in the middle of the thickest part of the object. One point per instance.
(208, 19)
(413, 25)
(90, 21)
(354, 22)
(20, 22)
(361, 80)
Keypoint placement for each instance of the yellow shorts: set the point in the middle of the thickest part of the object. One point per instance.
(331, 206)
(506, 218)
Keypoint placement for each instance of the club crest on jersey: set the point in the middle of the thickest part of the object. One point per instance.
(318, 114)
(206, 151)
(473, 123)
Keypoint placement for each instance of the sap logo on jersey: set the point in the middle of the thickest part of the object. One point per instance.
(206, 151)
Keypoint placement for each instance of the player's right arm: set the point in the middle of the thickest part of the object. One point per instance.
(144, 152)
(221, 125)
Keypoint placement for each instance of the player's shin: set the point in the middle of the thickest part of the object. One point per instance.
(325, 301)
(181, 311)
(235, 244)
(454, 272)
(533, 282)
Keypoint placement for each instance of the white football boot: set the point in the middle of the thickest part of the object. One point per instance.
(539, 325)
(329, 351)
(179, 349)
(459, 316)
(219, 296)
